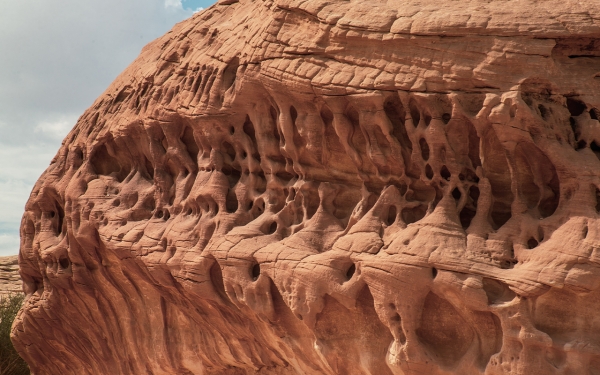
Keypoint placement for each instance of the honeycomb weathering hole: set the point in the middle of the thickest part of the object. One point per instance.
(267, 188)
(350, 272)
(255, 271)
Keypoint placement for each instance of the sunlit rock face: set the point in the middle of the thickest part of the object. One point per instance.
(330, 187)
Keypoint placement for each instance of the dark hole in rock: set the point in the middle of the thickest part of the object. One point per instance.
(532, 243)
(415, 114)
(434, 272)
(233, 176)
(581, 145)
(190, 143)
(427, 118)
(594, 114)
(548, 205)
(445, 173)
(350, 272)
(216, 277)
(396, 113)
(576, 107)
(594, 146)
(117, 202)
(446, 117)
(273, 227)
(159, 214)
(456, 194)
(424, 149)
(474, 193)
(501, 213)
(544, 112)
(412, 215)
(189, 211)
(403, 188)
(293, 114)
(244, 154)
(395, 317)
(255, 271)
(52, 214)
(575, 128)
(229, 150)
(466, 216)
(149, 168)
(64, 263)
(497, 291)
(391, 216)
(166, 215)
(105, 164)
(231, 202)
(231, 130)
(249, 130)
(597, 199)
(585, 231)
(428, 171)
(250, 205)
(286, 176)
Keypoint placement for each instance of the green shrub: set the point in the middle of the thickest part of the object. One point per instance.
(10, 361)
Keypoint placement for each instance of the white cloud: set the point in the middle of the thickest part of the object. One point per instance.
(56, 128)
(173, 4)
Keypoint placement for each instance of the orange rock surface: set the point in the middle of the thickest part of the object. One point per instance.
(330, 187)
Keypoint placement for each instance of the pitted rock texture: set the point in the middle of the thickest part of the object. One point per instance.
(330, 187)
(10, 280)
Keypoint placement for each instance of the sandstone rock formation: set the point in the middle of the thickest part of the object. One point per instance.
(330, 187)
(10, 281)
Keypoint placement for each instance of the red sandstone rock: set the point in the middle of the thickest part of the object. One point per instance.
(330, 187)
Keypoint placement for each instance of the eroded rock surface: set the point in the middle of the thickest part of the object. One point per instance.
(10, 280)
(330, 187)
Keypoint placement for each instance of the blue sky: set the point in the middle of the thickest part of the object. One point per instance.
(57, 57)
(195, 4)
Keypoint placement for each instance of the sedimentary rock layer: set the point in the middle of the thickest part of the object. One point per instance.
(10, 281)
(330, 187)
